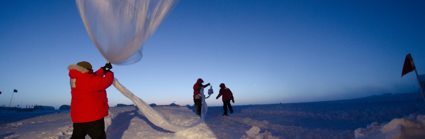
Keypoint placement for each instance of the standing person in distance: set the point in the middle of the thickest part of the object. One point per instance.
(89, 103)
(197, 97)
(227, 96)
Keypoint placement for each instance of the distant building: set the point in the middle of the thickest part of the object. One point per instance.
(44, 108)
(9, 108)
(65, 107)
(124, 105)
(152, 105)
(174, 104)
(26, 110)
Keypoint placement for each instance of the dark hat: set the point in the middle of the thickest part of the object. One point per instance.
(84, 64)
(222, 85)
(200, 80)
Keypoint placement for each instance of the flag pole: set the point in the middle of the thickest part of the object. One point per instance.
(417, 76)
(10, 103)
(420, 85)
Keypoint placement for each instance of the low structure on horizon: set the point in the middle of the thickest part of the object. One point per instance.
(44, 107)
(124, 105)
(65, 107)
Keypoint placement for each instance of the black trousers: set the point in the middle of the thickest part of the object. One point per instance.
(225, 104)
(95, 129)
(198, 105)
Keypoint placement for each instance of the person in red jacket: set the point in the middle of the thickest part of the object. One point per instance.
(197, 97)
(89, 103)
(227, 96)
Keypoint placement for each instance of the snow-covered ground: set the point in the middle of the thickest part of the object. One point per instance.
(398, 115)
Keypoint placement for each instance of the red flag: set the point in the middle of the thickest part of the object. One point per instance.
(15, 91)
(408, 65)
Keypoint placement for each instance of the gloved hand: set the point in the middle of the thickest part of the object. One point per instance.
(107, 68)
(108, 65)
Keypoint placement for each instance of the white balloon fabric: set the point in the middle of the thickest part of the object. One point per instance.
(210, 92)
(155, 117)
(119, 28)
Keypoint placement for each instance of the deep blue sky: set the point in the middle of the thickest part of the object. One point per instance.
(264, 51)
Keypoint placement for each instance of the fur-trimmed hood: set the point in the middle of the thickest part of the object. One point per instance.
(76, 71)
(77, 68)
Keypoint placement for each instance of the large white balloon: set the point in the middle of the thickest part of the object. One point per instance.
(119, 28)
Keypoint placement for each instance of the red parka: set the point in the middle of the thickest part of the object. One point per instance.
(226, 93)
(89, 101)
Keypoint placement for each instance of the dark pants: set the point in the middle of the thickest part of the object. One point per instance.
(95, 129)
(198, 105)
(225, 104)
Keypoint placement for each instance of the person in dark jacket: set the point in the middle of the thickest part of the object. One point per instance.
(197, 97)
(89, 103)
(227, 96)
